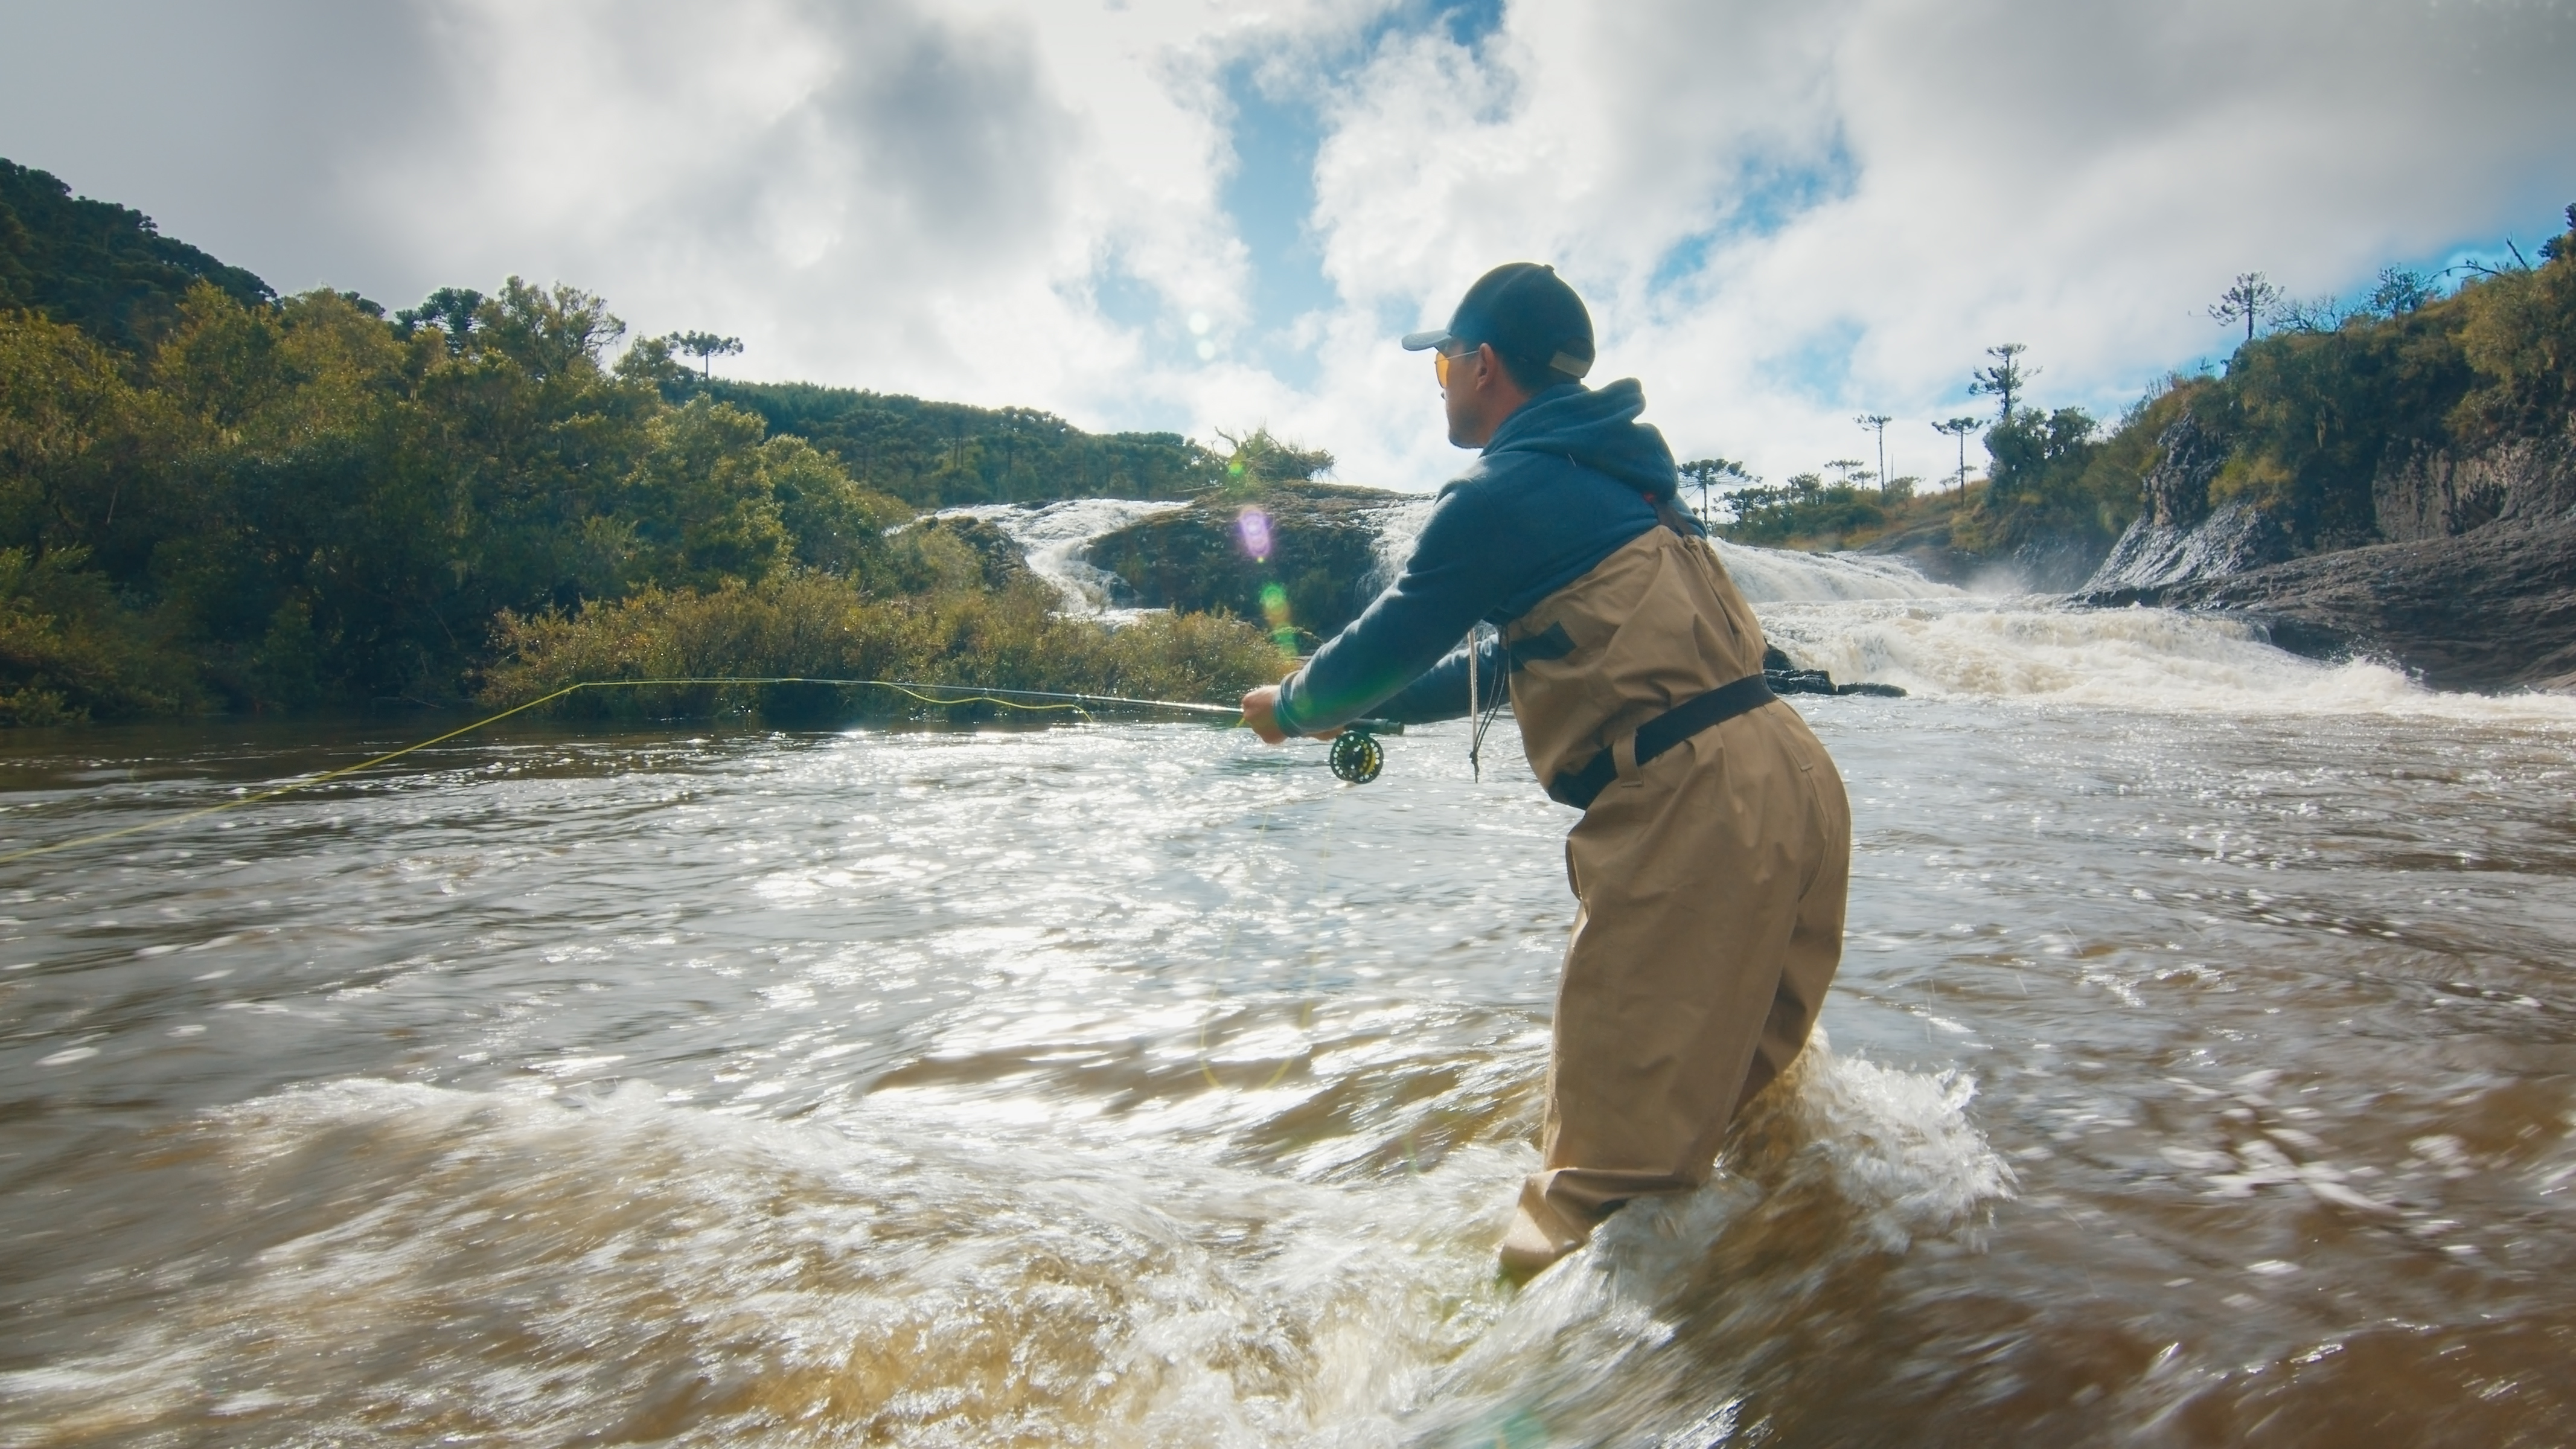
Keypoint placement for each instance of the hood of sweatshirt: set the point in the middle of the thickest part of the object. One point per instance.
(1597, 428)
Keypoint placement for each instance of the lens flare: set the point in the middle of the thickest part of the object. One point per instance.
(1274, 611)
(1253, 527)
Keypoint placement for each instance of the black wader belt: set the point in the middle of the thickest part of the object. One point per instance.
(1579, 787)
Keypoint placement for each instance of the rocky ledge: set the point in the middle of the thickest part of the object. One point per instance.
(1785, 677)
(2473, 585)
(1311, 548)
(2491, 609)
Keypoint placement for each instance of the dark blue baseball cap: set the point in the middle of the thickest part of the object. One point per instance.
(1529, 315)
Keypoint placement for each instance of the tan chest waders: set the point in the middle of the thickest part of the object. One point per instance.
(1710, 866)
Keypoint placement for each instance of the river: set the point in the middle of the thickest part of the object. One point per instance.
(2202, 1070)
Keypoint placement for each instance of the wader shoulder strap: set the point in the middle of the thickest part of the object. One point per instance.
(1706, 711)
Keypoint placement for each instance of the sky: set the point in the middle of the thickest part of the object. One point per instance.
(1204, 216)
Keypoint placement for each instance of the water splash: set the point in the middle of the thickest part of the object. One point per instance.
(504, 1266)
(536, 1268)
(1662, 1320)
(2139, 658)
(1775, 575)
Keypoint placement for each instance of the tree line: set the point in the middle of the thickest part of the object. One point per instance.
(212, 497)
(2305, 415)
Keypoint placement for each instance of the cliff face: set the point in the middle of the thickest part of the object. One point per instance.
(2475, 589)
(2401, 484)
(2493, 608)
(2178, 538)
(2428, 493)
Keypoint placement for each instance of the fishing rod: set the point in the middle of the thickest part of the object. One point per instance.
(1356, 757)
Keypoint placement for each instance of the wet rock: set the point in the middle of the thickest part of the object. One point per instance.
(2150, 557)
(2494, 608)
(2475, 587)
(2178, 538)
(1785, 677)
(1799, 681)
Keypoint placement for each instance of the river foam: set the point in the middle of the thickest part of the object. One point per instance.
(528, 1266)
(1876, 618)
(2037, 650)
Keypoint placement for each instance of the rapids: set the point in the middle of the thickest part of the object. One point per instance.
(1054, 535)
(2202, 1070)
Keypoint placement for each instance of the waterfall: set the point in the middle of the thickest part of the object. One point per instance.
(1054, 536)
(1869, 617)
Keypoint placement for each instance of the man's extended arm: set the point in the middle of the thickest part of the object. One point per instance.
(1447, 585)
(1441, 692)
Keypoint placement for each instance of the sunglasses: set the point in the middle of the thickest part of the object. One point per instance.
(1441, 359)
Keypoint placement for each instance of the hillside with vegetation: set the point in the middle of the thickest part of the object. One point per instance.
(103, 268)
(2399, 481)
(939, 455)
(212, 498)
(2408, 419)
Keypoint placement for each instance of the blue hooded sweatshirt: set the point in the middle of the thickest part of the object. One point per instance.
(1565, 482)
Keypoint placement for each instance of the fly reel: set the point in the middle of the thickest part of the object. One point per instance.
(1357, 757)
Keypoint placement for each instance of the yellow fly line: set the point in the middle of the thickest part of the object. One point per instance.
(1028, 701)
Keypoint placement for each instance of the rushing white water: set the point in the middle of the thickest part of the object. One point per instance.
(1864, 617)
(2198, 1067)
(1054, 535)
(1766, 575)
(1781, 576)
(2039, 651)
(1399, 528)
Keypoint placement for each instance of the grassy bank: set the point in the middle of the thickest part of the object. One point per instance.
(817, 626)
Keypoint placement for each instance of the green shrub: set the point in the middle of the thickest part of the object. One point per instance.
(815, 626)
(68, 652)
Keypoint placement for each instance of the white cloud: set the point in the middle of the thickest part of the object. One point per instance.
(1782, 215)
(2080, 178)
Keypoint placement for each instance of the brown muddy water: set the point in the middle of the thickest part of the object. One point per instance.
(2200, 1072)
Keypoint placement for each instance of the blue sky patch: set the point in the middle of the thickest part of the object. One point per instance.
(1276, 127)
(1271, 198)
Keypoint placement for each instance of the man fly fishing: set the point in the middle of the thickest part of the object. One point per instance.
(1714, 851)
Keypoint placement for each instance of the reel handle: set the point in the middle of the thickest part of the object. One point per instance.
(1357, 757)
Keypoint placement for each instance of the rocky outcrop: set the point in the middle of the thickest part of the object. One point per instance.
(1785, 677)
(2178, 538)
(1315, 543)
(2428, 493)
(2494, 608)
(2475, 587)
(1002, 560)
(2149, 559)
